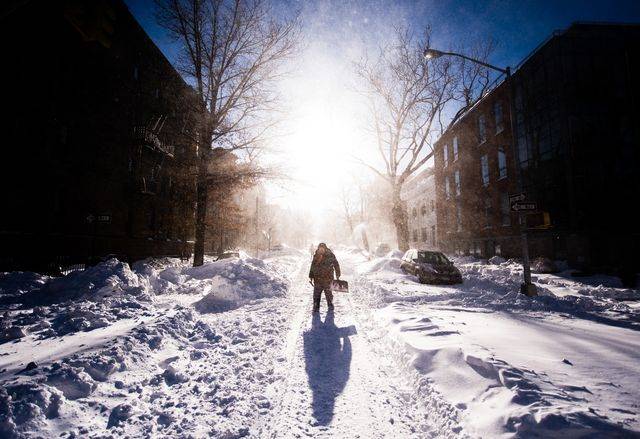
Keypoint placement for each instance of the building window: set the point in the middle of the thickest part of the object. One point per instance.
(445, 155)
(487, 213)
(458, 217)
(456, 178)
(482, 129)
(497, 112)
(424, 234)
(423, 209)
(447, 188)
(455, 148)
(484, 164)
(505, 209)
(414, 213)
(433, 235)
(433, 206)
(502, 163)
(415, 235)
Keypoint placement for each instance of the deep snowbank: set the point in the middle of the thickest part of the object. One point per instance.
(80, 301)
(43, 399)
(563, 363)
(496, 287)
(232, 283)
(110, 291)
(119, 351)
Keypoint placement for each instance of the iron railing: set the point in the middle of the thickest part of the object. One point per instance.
(150, 139)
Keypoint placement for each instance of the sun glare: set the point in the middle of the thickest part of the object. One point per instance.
(323, 136)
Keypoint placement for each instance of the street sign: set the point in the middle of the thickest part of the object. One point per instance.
(104, 218)
(514, 198)
(523, 207)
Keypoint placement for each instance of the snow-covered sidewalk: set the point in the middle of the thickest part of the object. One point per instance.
(191, 356)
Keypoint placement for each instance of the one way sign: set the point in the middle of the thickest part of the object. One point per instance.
(523, 207)
(515, 198)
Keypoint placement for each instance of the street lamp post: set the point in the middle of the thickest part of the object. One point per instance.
(527, 287)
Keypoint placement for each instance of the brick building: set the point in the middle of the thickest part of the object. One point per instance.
(98, 156)
(578, 117)
(419, 194)
(474, 170)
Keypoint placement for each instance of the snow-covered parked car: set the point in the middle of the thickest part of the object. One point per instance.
(430, 267)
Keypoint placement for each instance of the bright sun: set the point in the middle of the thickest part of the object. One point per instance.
(323, 135)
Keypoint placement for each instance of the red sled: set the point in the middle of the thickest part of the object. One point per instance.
(340, 286)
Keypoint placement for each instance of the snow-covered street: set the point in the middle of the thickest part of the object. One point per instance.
(337, 384)
(231, 349)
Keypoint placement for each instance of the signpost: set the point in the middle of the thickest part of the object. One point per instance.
(104, 218)
(521, 206)
(514, 198)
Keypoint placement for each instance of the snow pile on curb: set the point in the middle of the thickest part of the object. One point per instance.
(86, 300)
(225, 284)
(34, 399)
(509, 364)
(232, 283)
(96, 283)
(380, 265)
(80, 301)
(494, 396)
(16, 283)
(496, 287)
(114, 351)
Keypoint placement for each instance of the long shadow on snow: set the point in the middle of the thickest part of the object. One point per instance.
(327, 352)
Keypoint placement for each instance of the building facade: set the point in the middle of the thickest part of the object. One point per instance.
(578, 142)
(474, 174)
(419, 194)
(98, 156)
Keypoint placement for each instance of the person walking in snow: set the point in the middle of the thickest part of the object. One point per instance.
(323, 266)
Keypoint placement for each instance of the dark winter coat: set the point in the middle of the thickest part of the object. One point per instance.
(322, 268)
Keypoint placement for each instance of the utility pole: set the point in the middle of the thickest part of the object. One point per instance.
(527, 288)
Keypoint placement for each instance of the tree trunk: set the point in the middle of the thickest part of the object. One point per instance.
(201, 198)
(400, 221)
(201, 216)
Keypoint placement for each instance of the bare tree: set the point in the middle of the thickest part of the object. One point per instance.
(346, 199)
(409, 99)
(474, 79)
(231, 51)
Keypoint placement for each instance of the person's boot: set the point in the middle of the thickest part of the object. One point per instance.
(316, 305)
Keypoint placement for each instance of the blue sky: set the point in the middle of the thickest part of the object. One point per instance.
(516, 26)
(326, 118)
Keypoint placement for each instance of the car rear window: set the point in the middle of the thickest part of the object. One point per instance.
(432, 258)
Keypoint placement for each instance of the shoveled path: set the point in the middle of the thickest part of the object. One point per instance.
(335, 384)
